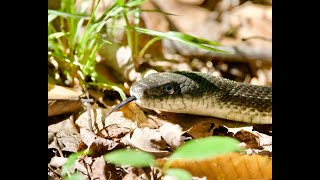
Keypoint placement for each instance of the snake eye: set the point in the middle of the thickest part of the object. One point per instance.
(168, 88)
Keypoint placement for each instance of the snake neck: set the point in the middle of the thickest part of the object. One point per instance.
(231, 100)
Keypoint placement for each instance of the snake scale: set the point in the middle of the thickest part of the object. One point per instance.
(203, 94)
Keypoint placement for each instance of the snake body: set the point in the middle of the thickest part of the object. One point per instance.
(203, 94)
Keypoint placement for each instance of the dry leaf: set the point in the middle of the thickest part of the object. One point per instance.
(68, 141)
(99, 169)
(133, 112)
(148, 140)
(62, 100)
(95, 143)
(263, 139)
(231, 166)
(116, 125)
(247, 137)
(66, 133)
(81, 166)
(200, 130)
(57, 162)
(196, 126)
(131, 176)
(171, 134)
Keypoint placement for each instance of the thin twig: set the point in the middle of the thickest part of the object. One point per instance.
(86, 102)
(57, 146)
(51, 169)
(257, 37)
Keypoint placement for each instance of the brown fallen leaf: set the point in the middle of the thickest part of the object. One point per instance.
(62, 100)
(247, 137)
(99, 169)
(251, 137)
(231, 166)
(95, 143)
(134, 112)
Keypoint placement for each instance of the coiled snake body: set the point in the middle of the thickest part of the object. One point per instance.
(203, 94)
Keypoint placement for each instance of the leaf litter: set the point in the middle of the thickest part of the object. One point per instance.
(119, 130)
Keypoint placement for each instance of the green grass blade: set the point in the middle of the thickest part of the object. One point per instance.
(135, 3)
(102, 83)
(121, 93)
(143, 50)
(130, 158)
(70, 161)
(206, 147)
(57, 35)
(187, 37)
(76, 36)
(184, 38)
(65, 15)
(51, 17)
(120, 2)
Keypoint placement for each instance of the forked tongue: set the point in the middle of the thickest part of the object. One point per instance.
(126, 101)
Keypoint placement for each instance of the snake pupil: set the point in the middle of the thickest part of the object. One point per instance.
(168, 88)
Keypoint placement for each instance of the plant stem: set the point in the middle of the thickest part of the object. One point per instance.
(136, 35)
(129, 37)
(143, 50)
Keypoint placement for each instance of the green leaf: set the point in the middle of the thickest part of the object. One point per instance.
(51, 17)
(57, 35)
(135, 3)
(130, 157)
(206, 147)
(70, 161)
(64, 14)
(75, 176)
(190, 38)
(120, 2)
(179, 174)
(184, 38)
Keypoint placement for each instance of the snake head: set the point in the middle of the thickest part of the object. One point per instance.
(164, 91)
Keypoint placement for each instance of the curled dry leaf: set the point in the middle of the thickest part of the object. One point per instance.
(62, 100)
(96, 143)
(252, 138)
(172, 134)
(263, 139)
(247, 137)
(230, 166)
